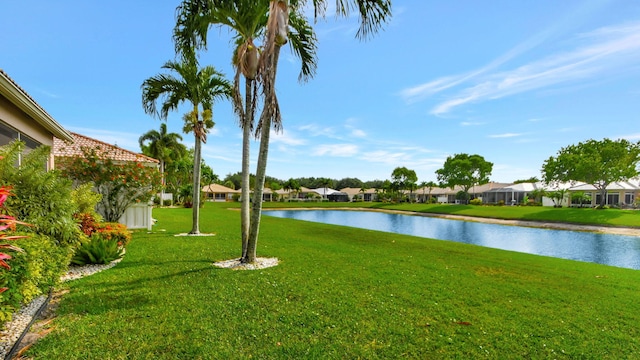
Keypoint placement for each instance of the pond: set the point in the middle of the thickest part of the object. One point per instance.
(614, 250)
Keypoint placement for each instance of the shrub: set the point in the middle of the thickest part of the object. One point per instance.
(121, 184)
(42, 198)
(501, 203)
(86, 200)
(167, 202)
(476, 201)
(97, 250)
(88, 223)
(113, 231)
(33, 272)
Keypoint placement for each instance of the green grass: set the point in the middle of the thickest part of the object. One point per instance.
(340, 293)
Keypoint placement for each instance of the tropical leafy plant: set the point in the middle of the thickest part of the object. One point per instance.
(97, 250)
(42, 198)
(6, 223)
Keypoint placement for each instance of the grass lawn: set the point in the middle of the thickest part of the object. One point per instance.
(340, 293)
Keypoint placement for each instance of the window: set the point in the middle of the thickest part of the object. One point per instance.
(629, 198)
(9, 134)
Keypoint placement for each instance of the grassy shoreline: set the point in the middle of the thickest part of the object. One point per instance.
(340, 292)
(579, 216)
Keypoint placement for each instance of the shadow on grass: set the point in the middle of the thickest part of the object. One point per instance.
(122, 290)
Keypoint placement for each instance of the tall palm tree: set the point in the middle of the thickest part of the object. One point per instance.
(163, 146)
(197, 86)
(248, 20)
(283, 17)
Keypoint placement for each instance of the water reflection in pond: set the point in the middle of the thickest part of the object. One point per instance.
(615, 250)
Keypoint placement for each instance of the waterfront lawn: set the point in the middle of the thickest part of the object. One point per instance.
(340, 293)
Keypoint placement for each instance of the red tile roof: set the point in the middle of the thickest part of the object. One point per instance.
(63, 149)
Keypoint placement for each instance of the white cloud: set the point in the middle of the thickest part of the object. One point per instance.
(631, 137)
(471, 123)
(608, 50)
(337, 150)
(505, 135)
(287, 138)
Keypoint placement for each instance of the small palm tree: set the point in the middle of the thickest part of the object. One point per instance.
(163, 146)
(197, 86)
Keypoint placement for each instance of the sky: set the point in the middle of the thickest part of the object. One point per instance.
(512, 81)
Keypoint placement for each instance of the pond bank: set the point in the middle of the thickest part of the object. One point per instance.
(617, 230)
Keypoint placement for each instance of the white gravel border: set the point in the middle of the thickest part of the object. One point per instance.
(235, 264)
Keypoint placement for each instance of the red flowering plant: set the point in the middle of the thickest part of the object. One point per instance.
(7, 223)
(121, 183)
(113, 232)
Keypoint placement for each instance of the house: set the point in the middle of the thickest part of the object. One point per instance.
(356, 194)
(449, 195)
(293, 195)
(137, 216)
(217, 192)
(621, 193)
(23, 119)
(511, 194)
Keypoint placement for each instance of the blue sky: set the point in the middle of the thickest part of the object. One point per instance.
(513, 81)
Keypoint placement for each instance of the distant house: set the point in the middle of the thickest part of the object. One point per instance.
(217, 192)
(137, 216)
(622, 193)
(511, 194)
(21, 118)
(355, 194)
(449, 195)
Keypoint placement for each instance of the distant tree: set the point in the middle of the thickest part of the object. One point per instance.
(291, 185)
(374, 184)
(164, 146)
(532, 179)
(598, 163)
(348, 183)
(557, 196)
(403, 179)
(427, 185)
(465, 171)
(580, 197)
(537, 195)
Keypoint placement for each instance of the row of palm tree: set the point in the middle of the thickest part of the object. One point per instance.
(260, 28)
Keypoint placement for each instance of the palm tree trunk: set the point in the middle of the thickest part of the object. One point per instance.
(246, 148)
(163, 184)
(258, 191)
(276, 37)
(195, 229)
(261, 168)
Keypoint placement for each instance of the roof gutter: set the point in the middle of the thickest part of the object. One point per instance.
(24, 102)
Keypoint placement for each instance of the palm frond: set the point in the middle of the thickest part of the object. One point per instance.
(304, 45)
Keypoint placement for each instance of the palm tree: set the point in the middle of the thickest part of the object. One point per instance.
(197, 86)
(430, 185)
(163, 146)
(285, 23)
(248, 20)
